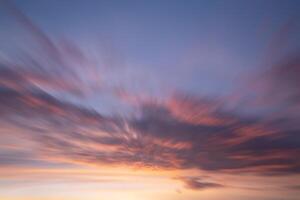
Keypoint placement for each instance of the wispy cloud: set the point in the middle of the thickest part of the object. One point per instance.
(180, 131)
(197, 183)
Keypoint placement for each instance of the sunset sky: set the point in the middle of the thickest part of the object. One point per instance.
(144, 100)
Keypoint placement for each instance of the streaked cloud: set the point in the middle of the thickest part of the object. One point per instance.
(46, 120)
(196, 183)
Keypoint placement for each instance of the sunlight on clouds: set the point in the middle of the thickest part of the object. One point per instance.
(149, 108)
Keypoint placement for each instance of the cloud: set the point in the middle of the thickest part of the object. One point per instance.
(196, 183)
(293, 187)
(180, 131)
(46, 63)
(154, 136)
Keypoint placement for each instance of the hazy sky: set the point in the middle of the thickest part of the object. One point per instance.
(143, 100)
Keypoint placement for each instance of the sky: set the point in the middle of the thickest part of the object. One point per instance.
(143, 100)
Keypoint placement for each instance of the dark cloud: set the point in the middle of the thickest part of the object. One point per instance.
(196, 183)
(155, 137)
(293, 187)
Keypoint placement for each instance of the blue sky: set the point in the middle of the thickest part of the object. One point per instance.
(215, 40)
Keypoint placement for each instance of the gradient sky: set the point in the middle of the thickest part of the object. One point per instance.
(143, 100)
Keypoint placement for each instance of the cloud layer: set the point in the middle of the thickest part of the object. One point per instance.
(180, 131)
